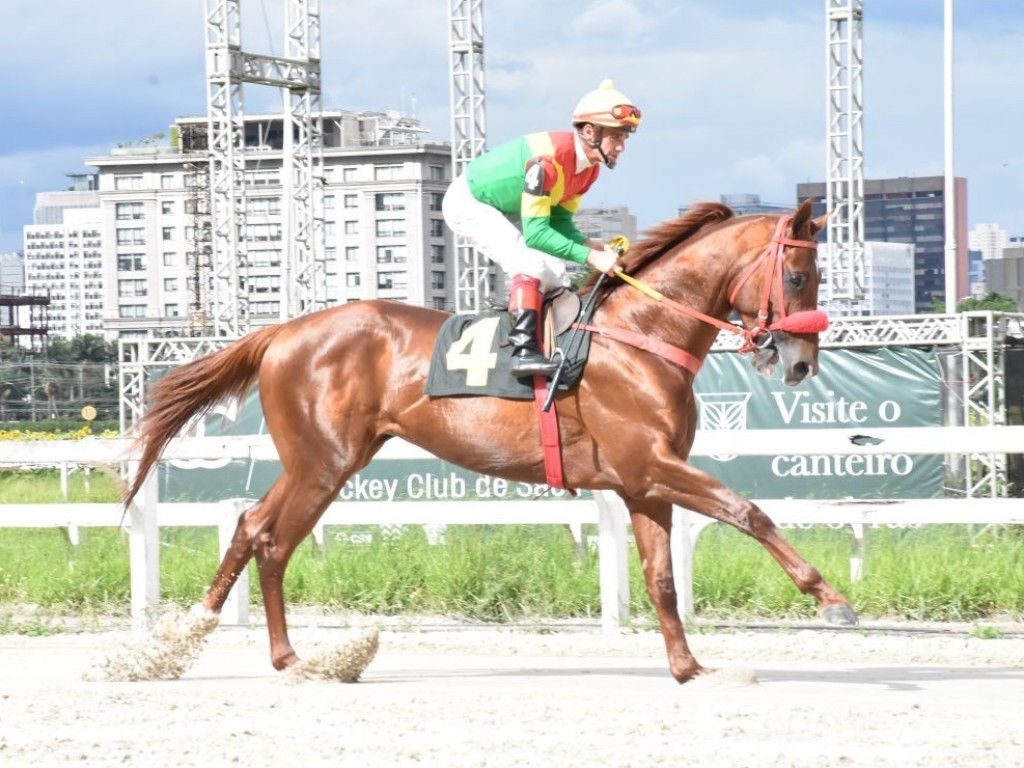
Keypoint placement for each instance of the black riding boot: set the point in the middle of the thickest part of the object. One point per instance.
(527, 359)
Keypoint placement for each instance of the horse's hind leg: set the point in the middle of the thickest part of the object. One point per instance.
(652, 525)
(269, 533)
(307, 496)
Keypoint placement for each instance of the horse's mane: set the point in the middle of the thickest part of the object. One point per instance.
(664, 237)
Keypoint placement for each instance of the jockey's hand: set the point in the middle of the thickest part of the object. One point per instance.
(604, 260)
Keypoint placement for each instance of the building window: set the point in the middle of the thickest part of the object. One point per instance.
(328, 202)
(438, 303)
(352, 253)
(167, 181)
(131, 287)
(351, 201)
(392, 280)
(269, 258)
(167, 233)
(437, 254)
(436, 228)
(353, 279)
(351, 227)
(265, 284)
(131, 262)
(132, 310)
(124, 181)
(170, 258)
(437, 281)
(167, 207)
(265, 177)
(131, 236)
(170, 284)
(391, 201)
(123, 211)
(263, 206)
(262, 232)
(437, 173)
(391, 228)
(265, 308)
(435, 200)
(351, 173)
(391, 254)
(171, 310)
(387, 172)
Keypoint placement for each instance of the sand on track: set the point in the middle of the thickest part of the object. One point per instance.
(457, 696)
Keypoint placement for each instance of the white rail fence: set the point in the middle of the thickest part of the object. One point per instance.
(146, 516)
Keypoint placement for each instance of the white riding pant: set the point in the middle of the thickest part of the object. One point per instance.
(498, 238)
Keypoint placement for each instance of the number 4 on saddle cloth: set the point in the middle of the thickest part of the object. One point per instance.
(469, 357)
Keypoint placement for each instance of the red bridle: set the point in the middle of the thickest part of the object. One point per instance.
(806, 321)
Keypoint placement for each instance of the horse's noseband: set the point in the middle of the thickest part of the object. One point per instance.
(760, 336)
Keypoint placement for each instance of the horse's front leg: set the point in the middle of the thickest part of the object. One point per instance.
(652, 526)
(698, 491)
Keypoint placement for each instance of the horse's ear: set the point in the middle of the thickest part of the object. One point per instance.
(802, 219)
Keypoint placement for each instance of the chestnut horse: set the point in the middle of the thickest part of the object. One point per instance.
(337, 384)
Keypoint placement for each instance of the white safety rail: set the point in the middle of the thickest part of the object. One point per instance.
(605, 510)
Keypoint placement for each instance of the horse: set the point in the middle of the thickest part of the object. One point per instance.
(335, 385)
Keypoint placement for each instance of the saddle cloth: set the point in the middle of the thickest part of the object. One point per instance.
(469, 359)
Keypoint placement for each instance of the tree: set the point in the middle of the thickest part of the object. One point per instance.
(993, 302)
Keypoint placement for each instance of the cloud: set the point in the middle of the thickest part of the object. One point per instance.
(608, 22)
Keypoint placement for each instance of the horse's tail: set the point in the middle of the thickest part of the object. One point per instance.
(190, 390)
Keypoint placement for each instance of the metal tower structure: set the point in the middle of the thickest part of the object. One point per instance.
(469, 135)
(298, 74)
(845, 184)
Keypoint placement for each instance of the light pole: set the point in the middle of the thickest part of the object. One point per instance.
(950, 182)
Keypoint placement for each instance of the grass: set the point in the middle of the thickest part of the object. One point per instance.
(43, 486)
(497, 573)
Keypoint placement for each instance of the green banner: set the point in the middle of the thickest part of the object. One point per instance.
(859, 389)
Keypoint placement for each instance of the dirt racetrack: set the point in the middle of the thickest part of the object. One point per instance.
(444, 695)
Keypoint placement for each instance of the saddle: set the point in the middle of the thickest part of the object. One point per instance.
(470, 359)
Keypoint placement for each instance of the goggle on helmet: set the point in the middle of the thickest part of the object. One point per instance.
(608, 107)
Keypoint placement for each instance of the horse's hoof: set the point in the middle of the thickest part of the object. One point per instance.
(733, 677)
(841, 615)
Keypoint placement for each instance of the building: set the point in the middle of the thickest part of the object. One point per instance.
(911, 210)
(384, 236)
(12, 273)
(989, 239)
(743, 203)
(606, 223)
(22, 314)
(888, 283)
(64, 258)
(1005, 275)
(50, 206)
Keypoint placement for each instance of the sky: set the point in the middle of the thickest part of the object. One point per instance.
(732, 91)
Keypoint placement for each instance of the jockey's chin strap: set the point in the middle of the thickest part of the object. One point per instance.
(758, 337)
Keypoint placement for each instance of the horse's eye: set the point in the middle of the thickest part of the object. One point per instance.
(796, 279)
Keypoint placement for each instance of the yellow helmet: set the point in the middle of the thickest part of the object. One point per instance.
(608, 107)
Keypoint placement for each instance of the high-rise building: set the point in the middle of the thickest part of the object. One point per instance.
(743, 203)
(912, 210)
(1005, 274)
(990, 239)
(12, 273)
(64, 258)
(384, 236)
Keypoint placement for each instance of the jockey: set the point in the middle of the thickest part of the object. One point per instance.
(516, 203)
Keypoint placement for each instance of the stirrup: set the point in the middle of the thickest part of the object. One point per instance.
(533, 365)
